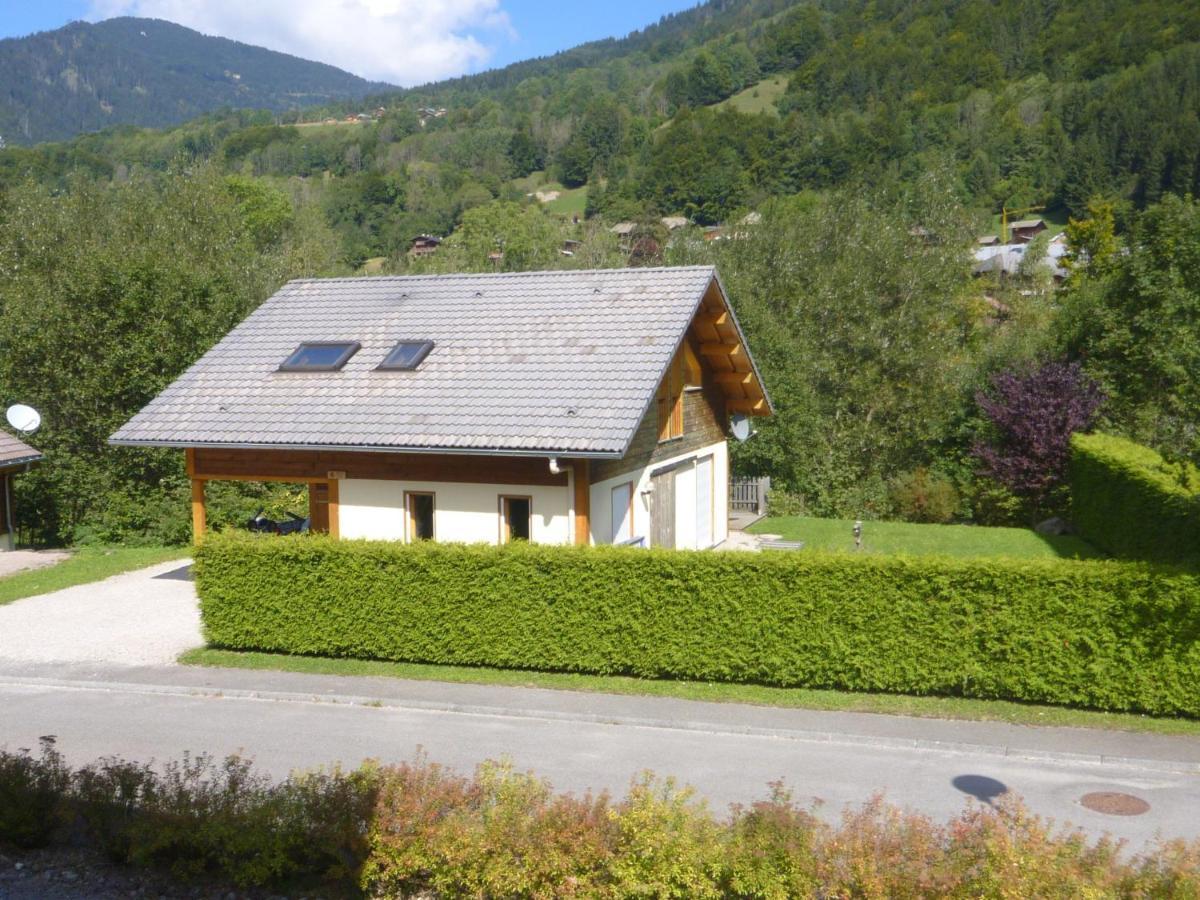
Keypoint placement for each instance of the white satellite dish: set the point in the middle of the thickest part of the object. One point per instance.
(739, 424)
(24, 418)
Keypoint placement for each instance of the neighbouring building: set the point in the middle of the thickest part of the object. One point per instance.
(15, 457)
(559, 407)
(1005, 260)
(1025, 230)
(424, 245)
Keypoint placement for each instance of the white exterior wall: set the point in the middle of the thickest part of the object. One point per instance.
(369, 508)
(685, 498)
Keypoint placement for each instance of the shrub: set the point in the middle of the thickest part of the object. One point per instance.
(786, 503)
(505, 834)
(199, 816)
(924, 496)
(32, 795)
(1128, 500)
(1033, 415)
(502, 834)
(1108, 635)
(770, 849)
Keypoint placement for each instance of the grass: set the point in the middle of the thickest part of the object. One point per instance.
(715, 692)
(571, 201)
(758, 98)
(84, 566)
(922, 540)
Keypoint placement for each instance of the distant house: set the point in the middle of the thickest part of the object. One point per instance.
(585, 407)
(1023, 232)
(424, 245)
(987, 240)
(15, 457)
(673, 222)
(623, 229)
(1004, 260)
(570, 247)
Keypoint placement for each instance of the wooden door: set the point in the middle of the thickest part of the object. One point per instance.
(662, 510)
(318, 507)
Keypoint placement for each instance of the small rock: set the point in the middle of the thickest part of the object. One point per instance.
(70, 875)
(19, 866)
(1053, 525)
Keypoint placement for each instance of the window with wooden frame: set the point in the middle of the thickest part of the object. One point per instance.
(670, 401)
(516, 519)
(419, 507)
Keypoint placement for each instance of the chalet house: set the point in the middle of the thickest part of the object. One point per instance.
(15, 457)
(1025, 230)
(424, 245)
(585, 407)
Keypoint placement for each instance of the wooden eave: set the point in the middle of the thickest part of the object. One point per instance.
(718, 339)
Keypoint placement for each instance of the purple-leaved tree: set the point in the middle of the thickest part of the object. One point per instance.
(1033, 414)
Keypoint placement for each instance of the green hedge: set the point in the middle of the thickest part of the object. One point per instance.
(1108, 635)
(1128, 500)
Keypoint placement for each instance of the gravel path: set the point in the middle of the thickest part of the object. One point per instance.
(13, 561)
(138, 618)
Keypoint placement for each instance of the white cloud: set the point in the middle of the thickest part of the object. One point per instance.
(405, 42)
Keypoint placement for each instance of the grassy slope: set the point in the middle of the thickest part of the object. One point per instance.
(572, 201)
(759, 97)
(86, 565)
(801, 698)
(917, 540)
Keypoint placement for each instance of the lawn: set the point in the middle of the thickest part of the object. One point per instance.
(85, 565)
(922, 540)
(572, 201)
(760, 97)
(713, 692)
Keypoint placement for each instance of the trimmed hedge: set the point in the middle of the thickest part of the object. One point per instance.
(1107, 635)
(1128, 500)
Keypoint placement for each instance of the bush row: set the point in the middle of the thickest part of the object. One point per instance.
(1128, 500)
(1116, 636)
(419, 830)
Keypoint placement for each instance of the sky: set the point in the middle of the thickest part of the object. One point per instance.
(404, 42)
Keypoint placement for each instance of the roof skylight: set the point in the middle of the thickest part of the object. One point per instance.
(320, 356)
(406, 356)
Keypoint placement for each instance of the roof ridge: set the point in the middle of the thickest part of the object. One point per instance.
(501, 275)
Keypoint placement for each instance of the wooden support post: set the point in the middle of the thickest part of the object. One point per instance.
(583, 502)
(334, 526)
(199, 512)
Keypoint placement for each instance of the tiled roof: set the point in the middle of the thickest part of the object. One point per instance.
(544, 362)
(14, 452)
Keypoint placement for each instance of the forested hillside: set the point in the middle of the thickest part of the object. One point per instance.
(127, 71)
(875, 140)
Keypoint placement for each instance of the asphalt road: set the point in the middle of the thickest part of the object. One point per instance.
(723, 759)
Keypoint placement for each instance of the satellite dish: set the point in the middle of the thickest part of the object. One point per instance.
(739, 424)
(24, 418)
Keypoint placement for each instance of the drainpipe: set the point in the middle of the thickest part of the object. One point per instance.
(8, 508)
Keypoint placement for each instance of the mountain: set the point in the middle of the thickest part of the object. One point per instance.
(128, 71)
(711, 112)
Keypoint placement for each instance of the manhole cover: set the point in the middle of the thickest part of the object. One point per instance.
(1114, 803)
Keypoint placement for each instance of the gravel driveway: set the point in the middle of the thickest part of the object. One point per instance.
(138, 618)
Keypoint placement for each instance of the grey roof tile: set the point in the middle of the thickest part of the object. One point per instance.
(15, 452)
(513, 354)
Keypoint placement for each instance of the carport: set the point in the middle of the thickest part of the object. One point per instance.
(15, 457)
